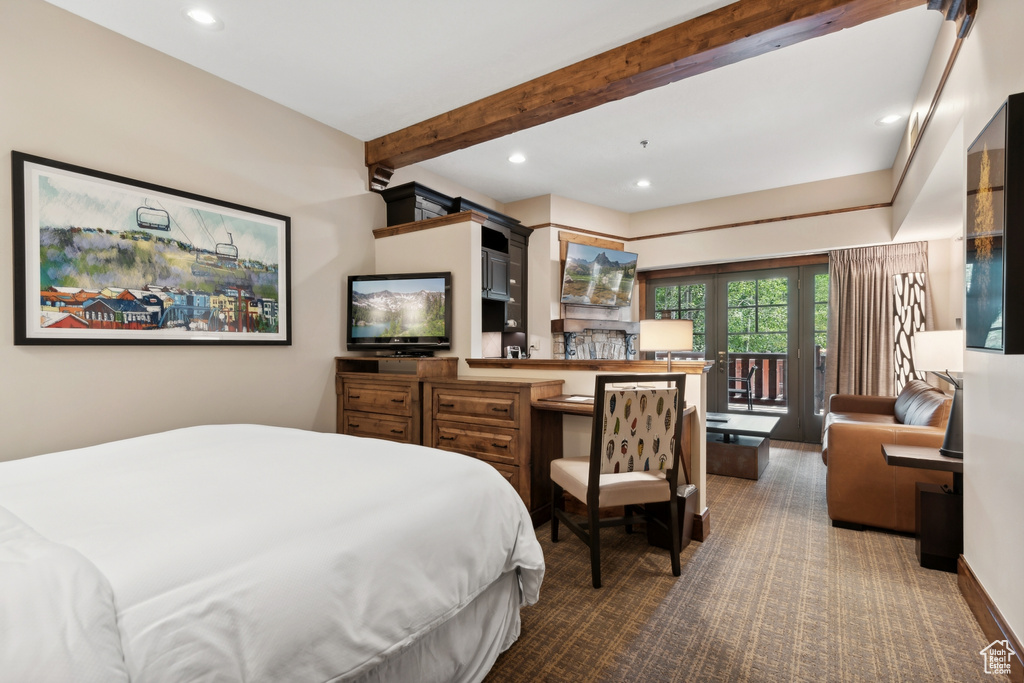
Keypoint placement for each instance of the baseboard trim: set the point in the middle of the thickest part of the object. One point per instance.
(701, 525)
(988, 616)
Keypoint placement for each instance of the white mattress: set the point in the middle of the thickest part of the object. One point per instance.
(243, 552)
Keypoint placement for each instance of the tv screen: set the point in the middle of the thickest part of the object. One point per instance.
(595, 276)
(402, 312)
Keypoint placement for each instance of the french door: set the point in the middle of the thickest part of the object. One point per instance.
(765, 332)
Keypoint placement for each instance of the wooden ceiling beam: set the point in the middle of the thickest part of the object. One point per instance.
(744, 29)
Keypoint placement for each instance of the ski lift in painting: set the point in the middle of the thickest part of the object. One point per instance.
(152, 219)
(221, 265)
(226, 251)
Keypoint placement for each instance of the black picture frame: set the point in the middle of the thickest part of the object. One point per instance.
(104, 259)
(994, 235)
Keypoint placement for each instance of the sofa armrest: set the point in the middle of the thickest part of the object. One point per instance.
(852, 403)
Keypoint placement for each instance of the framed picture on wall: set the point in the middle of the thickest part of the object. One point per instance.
(994, 244)
(104, 259)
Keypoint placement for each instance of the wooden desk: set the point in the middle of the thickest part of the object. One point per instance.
(938, 513)
(572, 404)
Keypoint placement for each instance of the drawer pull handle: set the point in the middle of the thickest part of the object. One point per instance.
(398, 431)
(398, 400)
(499, 410)
(354, 396)
(353, 425)
(446, 438)
(445, 405)
(500, 445)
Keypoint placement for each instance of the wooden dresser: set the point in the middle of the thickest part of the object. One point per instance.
(491, 419)
(382, 397)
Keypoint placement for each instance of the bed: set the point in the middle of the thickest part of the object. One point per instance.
(254, 553)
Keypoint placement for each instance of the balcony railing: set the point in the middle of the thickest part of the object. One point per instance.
(769, 384)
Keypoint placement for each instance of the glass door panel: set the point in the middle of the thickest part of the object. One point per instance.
(813, 337)
(757, 312)
(684, 300)
(768, 326)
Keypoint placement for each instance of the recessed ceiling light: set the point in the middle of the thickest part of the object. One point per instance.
(643, 182)
(888, 120)
(517, 158)
(204, 18)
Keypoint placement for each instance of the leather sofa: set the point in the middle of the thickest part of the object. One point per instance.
(861, 489)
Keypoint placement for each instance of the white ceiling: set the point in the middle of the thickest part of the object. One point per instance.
(799, 114)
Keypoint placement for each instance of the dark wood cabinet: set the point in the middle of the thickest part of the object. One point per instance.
(412, 202)
(495, 275)
(515, 317)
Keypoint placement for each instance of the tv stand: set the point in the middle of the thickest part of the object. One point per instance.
(381, 396)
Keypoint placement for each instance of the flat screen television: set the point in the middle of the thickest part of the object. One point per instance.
(595, 276)
(408, 313)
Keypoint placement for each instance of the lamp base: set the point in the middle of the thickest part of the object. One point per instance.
(953, 444)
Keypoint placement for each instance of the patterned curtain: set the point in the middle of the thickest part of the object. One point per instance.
(861, 315)
(910, 303)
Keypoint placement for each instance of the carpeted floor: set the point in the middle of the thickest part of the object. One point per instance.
(774, 594)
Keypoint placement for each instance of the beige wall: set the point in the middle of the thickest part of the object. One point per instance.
(453, 248)
(75, 92)
(825, 195)
(987, 71)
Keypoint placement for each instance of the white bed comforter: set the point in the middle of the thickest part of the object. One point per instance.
(244, 552)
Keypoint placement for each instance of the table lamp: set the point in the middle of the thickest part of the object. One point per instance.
(941, 352)
(666, 335)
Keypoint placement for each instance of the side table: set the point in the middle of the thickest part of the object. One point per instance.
(939, 512)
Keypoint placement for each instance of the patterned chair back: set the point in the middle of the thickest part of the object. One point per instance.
(638, 429)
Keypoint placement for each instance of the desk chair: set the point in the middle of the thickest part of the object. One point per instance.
(635, 458)
(745, 388)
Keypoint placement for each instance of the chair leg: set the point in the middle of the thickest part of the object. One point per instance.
(595, 545)
(628, 512)
(557, 503)
(673, 531)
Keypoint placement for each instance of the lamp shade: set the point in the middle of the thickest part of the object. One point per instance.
(939, 351)
(666, 335)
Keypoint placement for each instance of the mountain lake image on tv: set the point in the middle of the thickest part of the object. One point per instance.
(596, 276)
(399, 311)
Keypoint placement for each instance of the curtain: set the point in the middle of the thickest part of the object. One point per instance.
(861, 314)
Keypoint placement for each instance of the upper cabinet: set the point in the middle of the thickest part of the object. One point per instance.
(494, 269)
(411, 202)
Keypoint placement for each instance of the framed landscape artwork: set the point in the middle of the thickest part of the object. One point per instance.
(103, 259)
(994, 245)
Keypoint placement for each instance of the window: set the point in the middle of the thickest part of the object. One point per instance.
(686, 302)
(758, 316)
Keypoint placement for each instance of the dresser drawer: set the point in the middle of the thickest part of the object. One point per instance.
(493, 444)
(378, 426)
(493, 408)
(510, 473)
(393, 399)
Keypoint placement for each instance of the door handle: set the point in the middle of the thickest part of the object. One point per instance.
(722, 362)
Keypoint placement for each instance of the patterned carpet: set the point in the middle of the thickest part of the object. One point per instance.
(775, 594)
